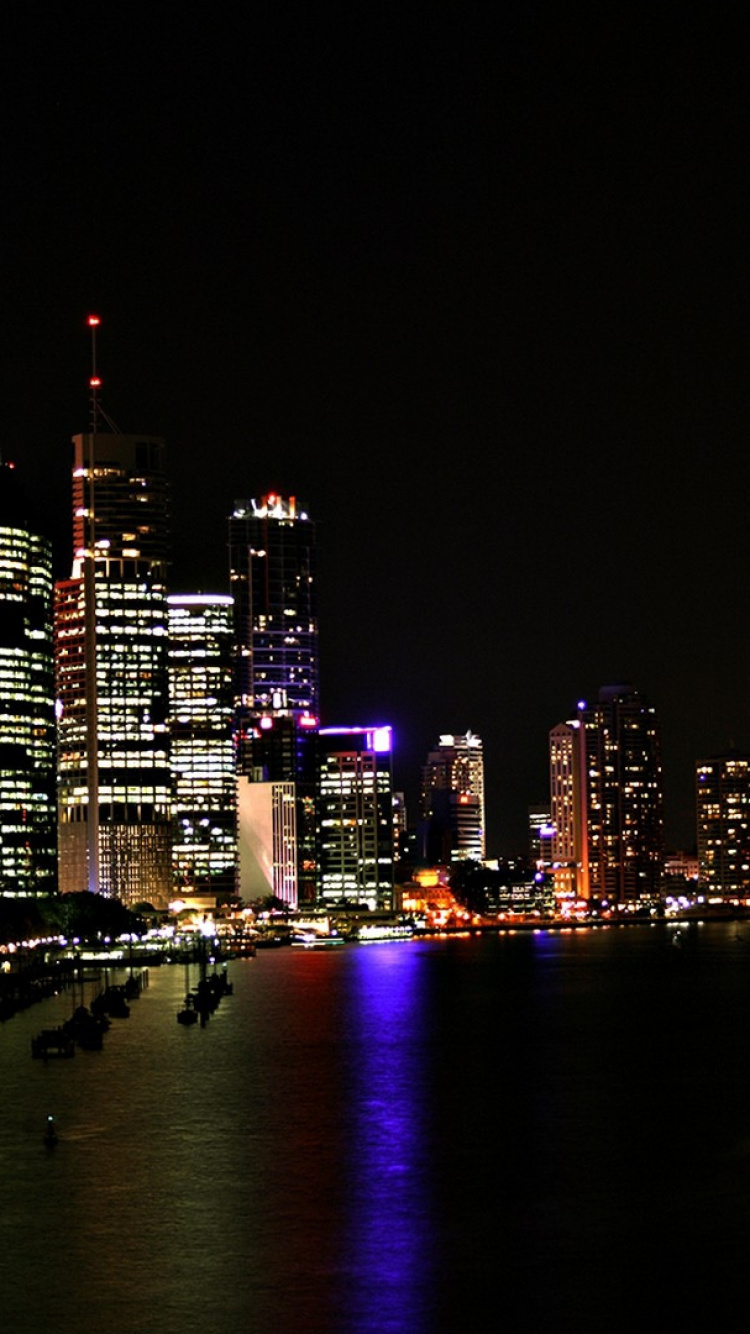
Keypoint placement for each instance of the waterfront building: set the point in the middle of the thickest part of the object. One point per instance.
(114, 811)
(28, 852)
(267, 841)
(541, 835)
(569, 842)
(723, 811)
(452, 801)
(272, 570)
(606, 799)
(201, 706)
(272, 577)
(355, 817)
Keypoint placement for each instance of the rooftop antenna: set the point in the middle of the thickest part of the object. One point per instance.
(97, 411)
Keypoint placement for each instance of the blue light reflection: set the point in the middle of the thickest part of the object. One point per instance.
(390, 1228)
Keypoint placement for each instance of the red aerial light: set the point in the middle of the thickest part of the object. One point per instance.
(93, 321)
(95, 382)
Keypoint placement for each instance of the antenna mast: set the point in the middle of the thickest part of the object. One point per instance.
(89, 609)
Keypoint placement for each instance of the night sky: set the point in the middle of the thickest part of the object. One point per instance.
(471, 282)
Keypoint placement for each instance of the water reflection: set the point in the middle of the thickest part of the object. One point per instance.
(390, 1205)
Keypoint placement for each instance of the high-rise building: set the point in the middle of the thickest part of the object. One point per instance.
(272, 570)
(452, 801)
(540, 836)
(272, 575)
(569, 851)
(201, 702)
(606, 799)
(111, 663)
(723, 809)
(355, 817)
(27, 701)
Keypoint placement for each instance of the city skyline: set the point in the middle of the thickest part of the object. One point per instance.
(471, 286)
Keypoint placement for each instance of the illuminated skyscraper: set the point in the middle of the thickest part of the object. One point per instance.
(355, 817)
(272, 579)
(27, 702)
(606, 798)
(111, 662)
(204, 785)
(452, 801)
(569, 854)
(723, 806)
(272, 574)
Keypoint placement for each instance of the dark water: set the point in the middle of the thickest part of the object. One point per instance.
(519, 1133)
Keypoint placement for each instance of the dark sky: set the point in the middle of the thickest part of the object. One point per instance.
(471, 281)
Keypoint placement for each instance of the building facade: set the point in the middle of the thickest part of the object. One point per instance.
(272, 575)
(114, 779)
(28, 818)
(201, 724)
(452, 801)
(606, 799)
(272, 570)
(723, 814)
(568, 817)
(355, 846)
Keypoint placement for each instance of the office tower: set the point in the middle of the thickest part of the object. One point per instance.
(723, 809)
(111, 663)
(452, 801)
(276, 806)
(272, 580)
(606, 798)
(28, 821)
(355, 817)
(540, 836)
(272, 574)
(569, 850)
(201, 709)
(267, 841)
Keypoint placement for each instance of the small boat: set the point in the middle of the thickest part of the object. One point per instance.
(316, 940)
(188, 1014)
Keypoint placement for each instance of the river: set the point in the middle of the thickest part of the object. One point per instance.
(522, 1132)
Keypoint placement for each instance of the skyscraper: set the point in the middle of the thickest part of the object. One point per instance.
(568, 805)
(272, 575)
(355, 817)
(723, 809)
(27, 702)
(452, 800)
(272, 563)
(204, 786)
(111, 663)
(606, 798)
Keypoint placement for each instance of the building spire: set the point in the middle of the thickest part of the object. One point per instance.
(97, 413)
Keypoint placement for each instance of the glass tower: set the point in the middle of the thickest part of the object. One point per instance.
(452, 800)
(27, 701)
(355, 817)
(204, 787)
(272, 565)
(272, 574)
(111, 661)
